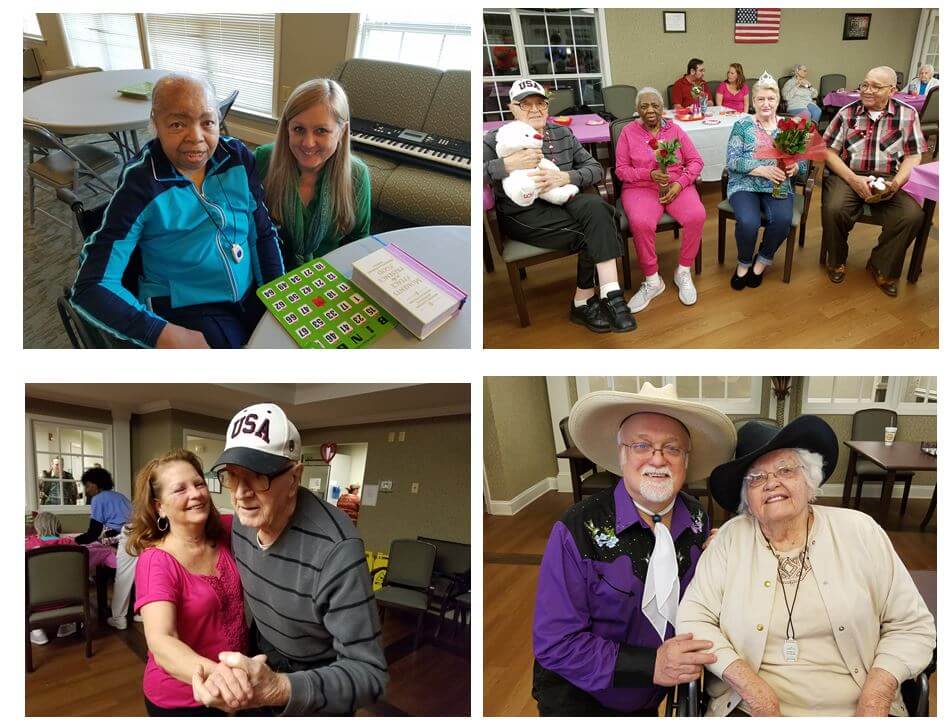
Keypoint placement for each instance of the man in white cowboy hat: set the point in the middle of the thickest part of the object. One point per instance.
(303, 569)
(617, 563)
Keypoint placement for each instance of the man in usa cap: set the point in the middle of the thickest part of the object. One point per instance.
(314, 636)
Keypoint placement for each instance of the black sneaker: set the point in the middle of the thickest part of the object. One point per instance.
(754, 279)
(591, 315)
(617, 311)
(739, 283)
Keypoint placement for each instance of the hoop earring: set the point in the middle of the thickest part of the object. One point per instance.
(167, 524)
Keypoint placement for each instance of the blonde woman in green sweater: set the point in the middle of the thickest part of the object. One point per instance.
(317, 192)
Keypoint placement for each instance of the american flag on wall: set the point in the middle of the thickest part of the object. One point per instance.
(757, 25)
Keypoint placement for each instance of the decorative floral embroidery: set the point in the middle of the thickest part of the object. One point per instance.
(696, 523)
(603, 537)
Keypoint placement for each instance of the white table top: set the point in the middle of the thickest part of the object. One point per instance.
(446, 249)
(90, 102)
(711, 140)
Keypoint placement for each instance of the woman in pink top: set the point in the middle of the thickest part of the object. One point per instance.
(188, 587)
(733, 93)
(638, 170)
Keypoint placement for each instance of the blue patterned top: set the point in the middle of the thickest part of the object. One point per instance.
(740, 160)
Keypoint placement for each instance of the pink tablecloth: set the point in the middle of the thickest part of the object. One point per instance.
(923, 182)
(584, 131)
(842, 99)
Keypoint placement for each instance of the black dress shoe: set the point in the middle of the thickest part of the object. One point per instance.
(754, 279)
(617, 312)
(591, 315)
(887, 284)
(739, 283)
(837, 273)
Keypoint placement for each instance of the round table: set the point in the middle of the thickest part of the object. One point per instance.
(446, 249)
(710, 139)
(91, 103)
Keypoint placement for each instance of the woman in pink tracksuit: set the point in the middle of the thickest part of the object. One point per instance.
(638, 170)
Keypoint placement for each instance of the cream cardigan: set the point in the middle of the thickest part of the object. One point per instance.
(879, 618)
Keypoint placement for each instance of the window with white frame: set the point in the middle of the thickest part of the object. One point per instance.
(730, 394)
(103, 40)
(927, 40)
(560, 49)
(442, 41)
(233, 51)
(62, 451)
(847, 394)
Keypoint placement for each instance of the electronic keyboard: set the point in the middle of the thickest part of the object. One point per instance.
(450, 155)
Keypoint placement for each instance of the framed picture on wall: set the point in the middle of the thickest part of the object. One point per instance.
(673, 21)
(856, 26)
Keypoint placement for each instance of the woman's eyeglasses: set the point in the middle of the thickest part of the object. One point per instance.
(759, 478)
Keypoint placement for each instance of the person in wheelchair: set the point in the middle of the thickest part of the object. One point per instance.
(191, 206)
(616, 563)
(810, 609)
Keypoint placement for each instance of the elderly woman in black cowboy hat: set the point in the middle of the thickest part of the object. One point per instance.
(810, 609)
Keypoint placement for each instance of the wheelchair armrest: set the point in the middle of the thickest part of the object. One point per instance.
(692, 699)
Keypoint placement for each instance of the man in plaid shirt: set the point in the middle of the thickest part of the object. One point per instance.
(875, 136)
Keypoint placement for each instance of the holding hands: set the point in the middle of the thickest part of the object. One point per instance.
(239, 682)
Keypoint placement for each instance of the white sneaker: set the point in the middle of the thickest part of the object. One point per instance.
(117, 622)
(645, 295)
(67, 630)
(138, 618)
(687, 292)
(38, 636)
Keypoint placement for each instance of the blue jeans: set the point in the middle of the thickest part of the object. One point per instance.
(813, 111)
(754, 209)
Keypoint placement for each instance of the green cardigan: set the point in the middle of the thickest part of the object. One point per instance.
(310, 232)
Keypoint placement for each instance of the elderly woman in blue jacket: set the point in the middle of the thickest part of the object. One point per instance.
(192, 204)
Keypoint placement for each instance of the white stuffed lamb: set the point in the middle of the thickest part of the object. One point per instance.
(520, 187)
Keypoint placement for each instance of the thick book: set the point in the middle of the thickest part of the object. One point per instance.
(417, 296)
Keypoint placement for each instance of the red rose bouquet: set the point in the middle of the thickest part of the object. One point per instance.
(665, 157)
(797, 140)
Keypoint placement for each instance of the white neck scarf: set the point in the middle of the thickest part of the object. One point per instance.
(661, 596)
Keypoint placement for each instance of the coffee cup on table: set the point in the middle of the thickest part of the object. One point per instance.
(889, 435)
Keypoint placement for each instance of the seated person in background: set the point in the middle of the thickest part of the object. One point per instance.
(879, 136)
(750, 185)
(682, 96)
(586, 224)
(187, 587)
(348, 503)
(809, 608)
(48, 531)
(192, 204)
(617, 563)
(110, 510)
(799, 93)
(317, 192)
(733, 93)
(644, 200)
(924, 81)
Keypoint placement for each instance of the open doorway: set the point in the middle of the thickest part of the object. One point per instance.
(209, 447)
(341, 478)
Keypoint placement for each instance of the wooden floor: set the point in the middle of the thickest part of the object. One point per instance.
(810, 312)
(513, 546)
(434, 680)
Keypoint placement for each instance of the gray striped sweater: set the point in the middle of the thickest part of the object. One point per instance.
(313, 608)
(560, 146)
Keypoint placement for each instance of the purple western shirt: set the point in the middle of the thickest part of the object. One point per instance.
(588, 622)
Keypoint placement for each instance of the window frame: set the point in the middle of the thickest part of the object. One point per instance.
(895, 387)
(32, 475)
(404, 27)
(515, 14)
(927, 31)
(729, 406)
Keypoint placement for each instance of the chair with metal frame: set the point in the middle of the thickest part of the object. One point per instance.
(560, 100)
(408, 581)
(57, 591)
(451, 576)
(224, 107)
(867, 425)
(802, 205)
(64, 167)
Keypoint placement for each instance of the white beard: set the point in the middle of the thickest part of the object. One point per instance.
(656, 491)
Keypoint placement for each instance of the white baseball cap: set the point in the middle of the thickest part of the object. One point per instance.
(525, 87)
(262, 439)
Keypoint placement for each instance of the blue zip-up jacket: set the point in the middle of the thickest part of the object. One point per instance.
(185, 238)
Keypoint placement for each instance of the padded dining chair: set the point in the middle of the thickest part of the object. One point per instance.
(596, 481)
(560, 100)
(829, 83)
(802, 205)
(868, 425)
(57, 591)
(407, 584)
(620, 100)
(451, 575)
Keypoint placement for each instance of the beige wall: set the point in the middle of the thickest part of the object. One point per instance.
(436, 453)
(518, 440)
(811, 36)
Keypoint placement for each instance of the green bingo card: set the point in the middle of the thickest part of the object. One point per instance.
(319, 307)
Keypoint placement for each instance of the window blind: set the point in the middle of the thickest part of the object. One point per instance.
(232, 51)
(103, 40)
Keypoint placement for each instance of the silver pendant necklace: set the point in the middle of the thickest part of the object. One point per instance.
(791, 650)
